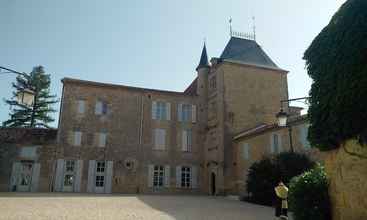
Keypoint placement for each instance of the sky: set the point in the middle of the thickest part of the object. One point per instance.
(152, 44)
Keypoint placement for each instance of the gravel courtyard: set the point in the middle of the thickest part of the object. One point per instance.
(148, 207)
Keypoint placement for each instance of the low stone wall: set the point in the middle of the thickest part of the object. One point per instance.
(346, 168)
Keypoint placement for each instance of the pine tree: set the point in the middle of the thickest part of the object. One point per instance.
(39, 114)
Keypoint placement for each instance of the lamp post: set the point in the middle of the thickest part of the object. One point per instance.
(25, 96)
(282, 119)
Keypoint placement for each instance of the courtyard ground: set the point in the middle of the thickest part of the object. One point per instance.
(63, 206)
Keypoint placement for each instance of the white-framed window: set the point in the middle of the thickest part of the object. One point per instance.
(101, 108)
(80, 106)
(158, 176)
(275, 143)
(161, 110)
(102, 139)
(77, 141)
(69, 172)
(246, 151)
(100, 174)
(186, 177)
(187, 140)
(159, 139)
(303, 136)
(186, 112)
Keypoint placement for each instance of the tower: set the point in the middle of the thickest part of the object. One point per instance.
(202, 84)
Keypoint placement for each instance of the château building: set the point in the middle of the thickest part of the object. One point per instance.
(122, 139)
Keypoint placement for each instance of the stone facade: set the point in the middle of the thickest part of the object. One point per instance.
(22, 148)
(121, 139)
(253, 144)
(347, 174)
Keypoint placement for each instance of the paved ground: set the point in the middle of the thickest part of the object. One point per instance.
(148, 207)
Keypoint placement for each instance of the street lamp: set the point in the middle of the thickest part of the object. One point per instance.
(24, 96)
(282, 119)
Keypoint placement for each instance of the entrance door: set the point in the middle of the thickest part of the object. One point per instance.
(25, 180)
(69, 176)
(100, 177)
(213, 187)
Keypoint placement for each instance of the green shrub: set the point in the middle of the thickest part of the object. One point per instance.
(308, 196)
(336, 62)
(265, 174)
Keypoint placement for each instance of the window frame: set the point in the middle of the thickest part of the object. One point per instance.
(186, 177)
(158, 176)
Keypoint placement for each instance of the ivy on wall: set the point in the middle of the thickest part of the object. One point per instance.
(337, 62)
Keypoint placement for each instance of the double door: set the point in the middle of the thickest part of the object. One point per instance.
(24, 176)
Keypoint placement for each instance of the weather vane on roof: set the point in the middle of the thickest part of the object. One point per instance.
(242, 35)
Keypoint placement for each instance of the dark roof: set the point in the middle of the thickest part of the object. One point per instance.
(246, 51)
(203, 59)
(191, 90)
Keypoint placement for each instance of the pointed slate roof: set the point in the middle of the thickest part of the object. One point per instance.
(246, 51)
(203, 59)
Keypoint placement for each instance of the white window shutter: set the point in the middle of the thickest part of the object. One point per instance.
(78, 175)
(193, 113)
(246, 151)
(168, 111)
(59, 175)
(194, 177)
(77, 138)
(150, 175)
(98, 109)
(35, 177)
(184, 141)
(154, 110)
(102, 139)
(189, 140)
(91, 174)
(272, 143)
(179, 113)
(14, 176)
(81, 106)
(167, 176)
(280, 147)
(109, 175)
(178, 176)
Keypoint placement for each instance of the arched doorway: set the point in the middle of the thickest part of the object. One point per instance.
(213, 189)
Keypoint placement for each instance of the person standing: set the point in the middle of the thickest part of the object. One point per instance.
(281, 203)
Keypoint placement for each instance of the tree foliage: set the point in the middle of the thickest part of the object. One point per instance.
(265, 174)
(309, 197)
(337, 63)
(38, 115)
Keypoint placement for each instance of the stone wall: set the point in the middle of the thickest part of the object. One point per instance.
(348, 181)
(12, 140)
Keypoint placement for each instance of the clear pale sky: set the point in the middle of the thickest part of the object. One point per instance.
(153, 44)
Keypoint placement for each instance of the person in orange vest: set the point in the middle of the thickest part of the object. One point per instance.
(281, 203)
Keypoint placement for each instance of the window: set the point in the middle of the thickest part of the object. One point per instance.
(99, 181)
(275, 143)
(303, 137)
(101, 165)
(69, 166)
(159, 139)
(81, 106)
(187, 140)
(187, 112)
(102, 139)
(161, 110)
(158, 176)
(100, 169)
(77, 138)
(186, 177)
(101, 108)
(68, 180)
(246, 151)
